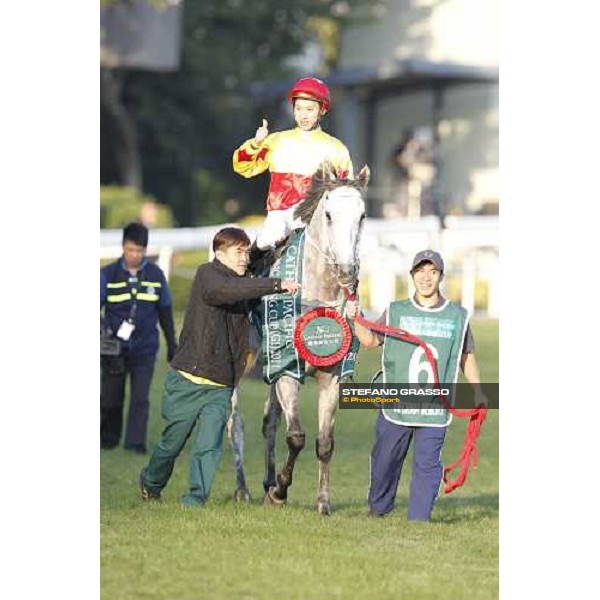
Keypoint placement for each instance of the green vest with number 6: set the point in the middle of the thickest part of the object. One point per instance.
(443, 329)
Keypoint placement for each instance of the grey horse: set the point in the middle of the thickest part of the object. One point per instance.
(334, 213)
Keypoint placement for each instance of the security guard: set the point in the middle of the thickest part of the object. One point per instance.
(135, 297)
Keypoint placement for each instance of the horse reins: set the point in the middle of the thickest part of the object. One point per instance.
(476, 415)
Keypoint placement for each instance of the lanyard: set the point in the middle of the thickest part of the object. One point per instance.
(133, 282)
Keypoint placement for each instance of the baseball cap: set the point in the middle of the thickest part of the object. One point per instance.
(428, 256)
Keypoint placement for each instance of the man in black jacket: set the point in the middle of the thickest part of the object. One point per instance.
(208, 364)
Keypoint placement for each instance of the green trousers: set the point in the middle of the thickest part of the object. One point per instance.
(185, 404)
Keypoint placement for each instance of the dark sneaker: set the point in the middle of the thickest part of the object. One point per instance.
(374, 514)
(147, 493)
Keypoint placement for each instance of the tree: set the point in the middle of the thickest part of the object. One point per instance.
(124, 141)
(120, 205)
(173, 134)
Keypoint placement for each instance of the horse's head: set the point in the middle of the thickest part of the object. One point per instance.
(335, 209)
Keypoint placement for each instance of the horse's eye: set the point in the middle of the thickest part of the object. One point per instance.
(328, 216)
(362, 217)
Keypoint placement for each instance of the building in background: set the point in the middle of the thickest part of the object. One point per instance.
(138, 35)
(424, 64)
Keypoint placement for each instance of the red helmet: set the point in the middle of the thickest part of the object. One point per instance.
(313, 89)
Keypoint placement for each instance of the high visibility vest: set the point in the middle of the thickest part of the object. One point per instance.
(125, 296)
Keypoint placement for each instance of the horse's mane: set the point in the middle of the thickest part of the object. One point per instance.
(324, 180)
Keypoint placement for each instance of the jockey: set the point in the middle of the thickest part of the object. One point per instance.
(292, 157)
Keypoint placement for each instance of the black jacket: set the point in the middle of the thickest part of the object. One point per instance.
(214, 339)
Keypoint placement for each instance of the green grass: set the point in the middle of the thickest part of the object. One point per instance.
(224, 550)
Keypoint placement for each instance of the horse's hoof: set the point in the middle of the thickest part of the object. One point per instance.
(272, 500)
(241, 495)
(323, 508)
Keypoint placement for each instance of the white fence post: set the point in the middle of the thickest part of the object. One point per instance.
(382, 289)
(493, 307)
(467, 296)
(164, 260)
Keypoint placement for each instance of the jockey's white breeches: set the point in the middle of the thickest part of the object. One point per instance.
(277, 225)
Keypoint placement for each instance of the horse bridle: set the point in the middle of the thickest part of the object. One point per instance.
(335, 266)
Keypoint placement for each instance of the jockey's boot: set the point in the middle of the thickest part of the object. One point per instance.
(255, 260)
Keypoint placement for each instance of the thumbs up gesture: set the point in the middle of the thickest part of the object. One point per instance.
(261, 133)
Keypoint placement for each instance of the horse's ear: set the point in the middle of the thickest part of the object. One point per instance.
(363, 177)
(328, 173)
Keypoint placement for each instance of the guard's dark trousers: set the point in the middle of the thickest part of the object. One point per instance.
(387, 457)
(112, 397)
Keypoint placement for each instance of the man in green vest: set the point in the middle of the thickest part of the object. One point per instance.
(444, 327)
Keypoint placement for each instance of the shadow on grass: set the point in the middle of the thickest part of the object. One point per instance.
(447, 510)
(469, 508)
